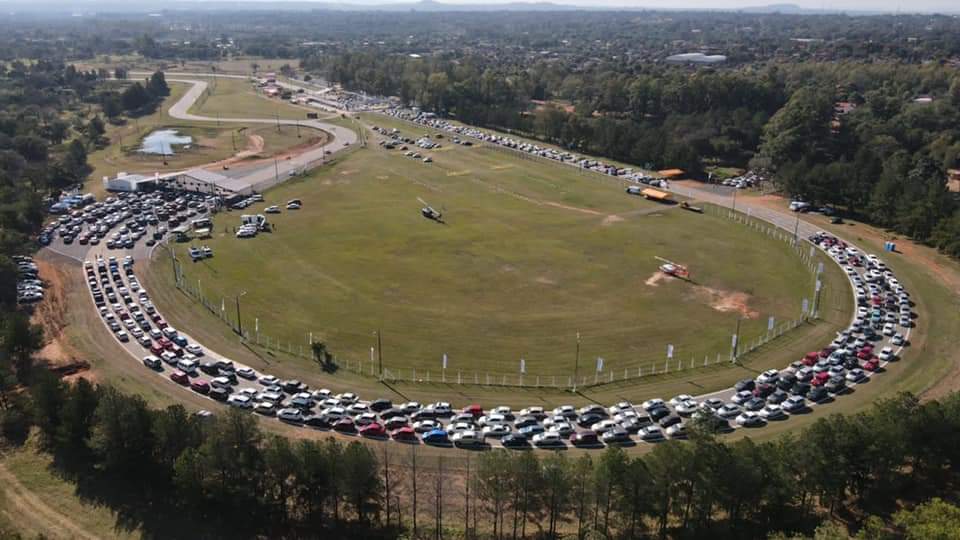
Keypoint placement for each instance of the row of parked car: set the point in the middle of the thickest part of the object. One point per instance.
(29, 284)
(431, 121)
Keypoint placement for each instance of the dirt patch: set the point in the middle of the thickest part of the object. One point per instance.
(383, 178)
(610, 220)
(727, 301)
(50, 315)
(574, 208)
(348, 172)
(544, 280)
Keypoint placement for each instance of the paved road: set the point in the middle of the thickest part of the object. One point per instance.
(342, 137)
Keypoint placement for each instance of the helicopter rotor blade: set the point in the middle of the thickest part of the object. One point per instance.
(423, 202)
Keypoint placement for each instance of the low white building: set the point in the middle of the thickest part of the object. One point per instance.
(129, 182)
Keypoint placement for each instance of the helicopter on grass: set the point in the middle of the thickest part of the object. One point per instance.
(430, 212)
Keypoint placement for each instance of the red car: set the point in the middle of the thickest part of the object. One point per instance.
(871, 365)
(180, 377)
(820, 379)
(865, 354)
(475, 410)
(156, 349)
(811, 361)
(375, 429)
(405, 433)
(200, 386)
(826, 352)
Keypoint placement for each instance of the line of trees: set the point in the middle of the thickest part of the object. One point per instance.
(169, 472)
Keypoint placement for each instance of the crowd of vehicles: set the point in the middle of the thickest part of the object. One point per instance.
(128, 216)
(29, 284)
(884, 314)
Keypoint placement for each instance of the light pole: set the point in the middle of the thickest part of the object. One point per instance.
(796, 229)
(576, 364)
(379, 352)
(239, 321)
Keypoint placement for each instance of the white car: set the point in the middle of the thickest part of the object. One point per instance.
(246, 373)
(496, 430)
(680, 399)
(742, 397)
(768, 377)
(677, 431)
(265, 408)
(750, 419)
(898, 340)
(290, 415)
(424, 426)
(220, 382)
(687, 407)
(772, 411)
(886, 354)
(272, 209)
(855, 375)
(195, 349)
(268, 380)
(548, 438)
(651, 404)
(241, 401)
(152, 362)
(467, 438)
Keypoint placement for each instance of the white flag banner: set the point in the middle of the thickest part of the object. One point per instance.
(523, 366)
(819, 284)
(669, 351)
(599, 364)
(444, 360)
(770, 323)
(806, 306)
(820, 268)
(812, 250)
(256, 327)
(733, 341)
(223, 305)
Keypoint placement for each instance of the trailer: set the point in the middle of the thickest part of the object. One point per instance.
(687, 206)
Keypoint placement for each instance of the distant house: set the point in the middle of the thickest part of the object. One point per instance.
(696, 58)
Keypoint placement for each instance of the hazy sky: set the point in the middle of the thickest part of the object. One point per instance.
(951, 6)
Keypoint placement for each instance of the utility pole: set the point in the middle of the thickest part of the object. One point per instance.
(276, 170)
(239, 321)
(734, 199)
(576, 364)
(736, 339)
(380, 352)
(796, 229)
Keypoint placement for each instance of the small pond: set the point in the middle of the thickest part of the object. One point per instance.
(163, 141)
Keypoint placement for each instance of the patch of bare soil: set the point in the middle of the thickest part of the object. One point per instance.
(544, 280)
(727, 301)
(50, 315)
(611, 219)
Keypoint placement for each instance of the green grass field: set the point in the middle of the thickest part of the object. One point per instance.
(238, 98)
(531, 254)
